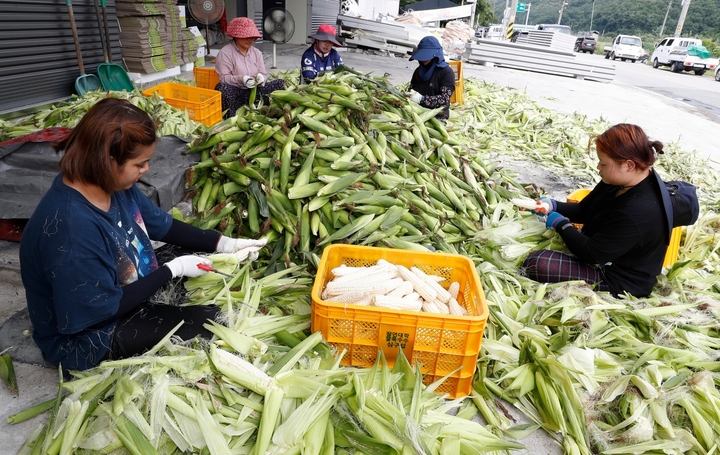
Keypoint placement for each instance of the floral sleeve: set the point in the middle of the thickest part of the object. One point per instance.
(434, 101)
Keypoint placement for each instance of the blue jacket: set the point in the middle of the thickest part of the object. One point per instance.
(74, 260)
(313, 64)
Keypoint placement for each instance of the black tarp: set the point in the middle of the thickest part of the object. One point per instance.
(430, 4)
(27, 170)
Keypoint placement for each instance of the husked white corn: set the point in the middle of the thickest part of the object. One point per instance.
(429, 307)
(365, 301)
(396, 303)
(456, 309)
(421, 287)
(344, 270)
(401, 291)
(389, 265)
(442, 294)
(241, 371)
(366, 283)
(442, 307)
(454, 289)
(348, 297)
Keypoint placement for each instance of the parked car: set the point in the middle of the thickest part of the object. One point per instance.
(481, 32)
(585, 44)
(625, 47)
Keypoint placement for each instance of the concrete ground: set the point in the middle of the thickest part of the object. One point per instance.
(663, 119)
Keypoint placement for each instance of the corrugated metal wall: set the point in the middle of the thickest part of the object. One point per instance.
(324, 12)
(38, 63)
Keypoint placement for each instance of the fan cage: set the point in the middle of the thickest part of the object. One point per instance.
(278, 25)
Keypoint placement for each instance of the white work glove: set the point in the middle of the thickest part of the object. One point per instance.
(243, 248)
(248, 81)
(260, 79)
(187, 266)
(414, 96)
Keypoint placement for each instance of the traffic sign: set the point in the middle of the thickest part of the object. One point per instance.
(520, 7)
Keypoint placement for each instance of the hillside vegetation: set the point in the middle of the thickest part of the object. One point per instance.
(611, 17)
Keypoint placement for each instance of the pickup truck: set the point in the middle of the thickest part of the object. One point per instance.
(625, 47)
(683, 54)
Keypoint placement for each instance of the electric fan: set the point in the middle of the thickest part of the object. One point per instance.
(206, 12)
(278, 27)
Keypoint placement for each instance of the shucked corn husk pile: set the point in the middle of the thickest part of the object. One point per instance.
(169, 120)
(599, 374)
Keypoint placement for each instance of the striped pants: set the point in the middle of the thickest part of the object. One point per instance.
(546, 266)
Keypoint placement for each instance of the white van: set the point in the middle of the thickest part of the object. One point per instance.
(495, 32)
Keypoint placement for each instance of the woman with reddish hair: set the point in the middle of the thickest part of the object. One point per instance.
(86, 255)
(623, 240)
(240, 67)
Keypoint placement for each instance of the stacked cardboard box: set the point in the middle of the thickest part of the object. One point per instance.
(152, 35)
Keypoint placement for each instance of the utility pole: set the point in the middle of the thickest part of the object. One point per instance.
(509, 19)
(592, 13)
(562, 8)
(685, 5)
(662, 29)
(527, 12)
(472, 13)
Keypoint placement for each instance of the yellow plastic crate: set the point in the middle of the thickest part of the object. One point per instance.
(206, 77)
(673, 250)
(202, 105)
(442, 344)
(457, 96)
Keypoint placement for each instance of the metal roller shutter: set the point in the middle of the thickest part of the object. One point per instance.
(324, 12)
(38, 63)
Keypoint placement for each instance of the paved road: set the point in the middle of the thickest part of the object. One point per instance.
(702, 92)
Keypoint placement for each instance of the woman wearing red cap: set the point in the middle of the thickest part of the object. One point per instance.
(240, 67)
(321, 57)
(433, 82)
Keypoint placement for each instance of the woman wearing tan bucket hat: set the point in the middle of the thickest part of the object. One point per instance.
(321, 56)
(240, 67)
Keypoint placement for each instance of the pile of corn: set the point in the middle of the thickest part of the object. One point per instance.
(346, 159)
(67, 114)
(598, 374)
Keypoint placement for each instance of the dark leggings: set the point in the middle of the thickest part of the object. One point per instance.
(546, 266)
(142, 329)
(233, 98)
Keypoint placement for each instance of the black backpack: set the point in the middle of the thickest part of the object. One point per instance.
(680, 202)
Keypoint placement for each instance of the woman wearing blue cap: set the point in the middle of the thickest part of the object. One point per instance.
(433, 82)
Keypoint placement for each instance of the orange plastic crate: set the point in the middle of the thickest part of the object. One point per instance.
(441, 343)
(457, 96)
(202, 105)
(206, 77)
(673, 250)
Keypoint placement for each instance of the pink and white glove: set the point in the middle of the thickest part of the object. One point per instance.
(249, 81)
(187, 266)
(260, 79)
(243, 248)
